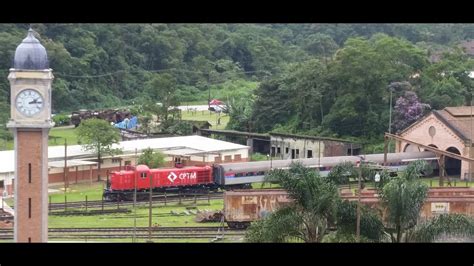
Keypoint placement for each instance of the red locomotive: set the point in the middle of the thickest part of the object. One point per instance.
(122, 183)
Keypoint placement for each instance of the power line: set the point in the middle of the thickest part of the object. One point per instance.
(149, 71)
(143, 70)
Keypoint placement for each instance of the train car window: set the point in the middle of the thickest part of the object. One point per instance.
(143, 175)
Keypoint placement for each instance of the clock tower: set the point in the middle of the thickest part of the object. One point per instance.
(30, 83)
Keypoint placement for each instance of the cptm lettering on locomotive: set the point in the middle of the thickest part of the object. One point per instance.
(188, 176)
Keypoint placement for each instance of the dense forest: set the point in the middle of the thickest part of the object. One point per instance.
(325, 79)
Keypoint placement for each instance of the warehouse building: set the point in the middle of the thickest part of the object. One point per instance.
(82, 165)
(450, 129)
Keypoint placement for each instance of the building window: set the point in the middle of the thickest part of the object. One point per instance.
(116, 160)
(29, 207)
(228, 158)
(278, 151)
(128, 162)
(310, 154)
(273, 151)
(217, 159)
(293, 154)
(287, 150)
(297, 153)
(237, 157)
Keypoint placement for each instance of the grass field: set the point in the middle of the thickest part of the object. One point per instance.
(161, 214)
(57, 136)
(77, 192)
(211, 117)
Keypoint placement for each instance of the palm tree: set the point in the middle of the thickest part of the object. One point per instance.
(446, 227)
(403, 197)
(314, 205)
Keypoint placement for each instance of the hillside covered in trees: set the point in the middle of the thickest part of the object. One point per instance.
(327, 79)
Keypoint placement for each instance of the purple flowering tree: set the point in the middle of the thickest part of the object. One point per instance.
(407, 110)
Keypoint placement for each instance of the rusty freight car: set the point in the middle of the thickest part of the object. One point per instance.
(241, 207)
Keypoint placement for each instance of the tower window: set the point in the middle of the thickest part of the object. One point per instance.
(29, 173)
(29, 207)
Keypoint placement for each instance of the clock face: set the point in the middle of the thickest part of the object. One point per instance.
(29, 102)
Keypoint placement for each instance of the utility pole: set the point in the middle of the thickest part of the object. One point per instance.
(65, 167)
(134, 208)
(149, 214)
(390, 119)
(470, 144)
(135, 201)
(358, 202)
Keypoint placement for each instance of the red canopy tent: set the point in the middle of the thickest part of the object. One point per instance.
(215, 102)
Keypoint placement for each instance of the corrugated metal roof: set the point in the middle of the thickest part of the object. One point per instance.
(196, 143)
(70, 163)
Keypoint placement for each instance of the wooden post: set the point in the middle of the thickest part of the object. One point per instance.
(65, 203)
(65, 166)
(194, 198)
(208, 198)
(86, 203)
(150, 210)
(179, 197)
(165, 198)
(441, 170)
(49, 203)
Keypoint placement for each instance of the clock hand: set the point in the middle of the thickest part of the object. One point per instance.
(35, 101)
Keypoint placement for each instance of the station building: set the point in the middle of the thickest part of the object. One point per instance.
(450, 129)
(82, 165)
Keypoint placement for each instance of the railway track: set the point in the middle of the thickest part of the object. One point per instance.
(170, 198)
(130, 232)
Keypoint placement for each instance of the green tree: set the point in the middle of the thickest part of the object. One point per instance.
(240, 112)
(443, 226)
(98, 136)
(314, 205)
(359, 76)
(270, 106)
(404, 196)
(153, 159)
(371, 226)
(163, 88)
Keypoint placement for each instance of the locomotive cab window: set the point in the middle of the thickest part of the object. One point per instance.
(143, 175)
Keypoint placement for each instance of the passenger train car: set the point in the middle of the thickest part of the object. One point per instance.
(251, 172)
(235, 175)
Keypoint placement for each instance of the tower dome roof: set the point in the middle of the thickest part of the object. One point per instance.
(30, 54)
